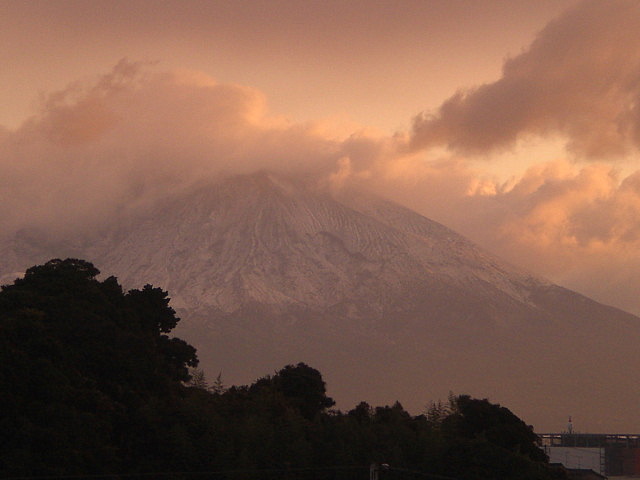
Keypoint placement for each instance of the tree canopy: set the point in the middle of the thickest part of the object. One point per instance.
(82, 361)
(92, 383)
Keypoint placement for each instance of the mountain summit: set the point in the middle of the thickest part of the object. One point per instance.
(386, 303)
(261, 240)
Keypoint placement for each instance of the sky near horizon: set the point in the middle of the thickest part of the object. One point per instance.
(515, 122)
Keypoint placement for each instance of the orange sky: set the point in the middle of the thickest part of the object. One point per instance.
(510, 121)
(376, 62)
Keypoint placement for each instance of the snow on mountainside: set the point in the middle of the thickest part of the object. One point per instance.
(387, 304)
(265, 240)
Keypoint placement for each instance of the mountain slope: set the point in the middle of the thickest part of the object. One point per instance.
(384, 302)
(258, 239)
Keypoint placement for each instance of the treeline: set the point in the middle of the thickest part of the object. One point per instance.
(91, 383)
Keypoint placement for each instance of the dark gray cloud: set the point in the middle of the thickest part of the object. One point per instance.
(580, 79)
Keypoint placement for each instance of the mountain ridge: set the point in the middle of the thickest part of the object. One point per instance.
(267, 271)
(275, 225)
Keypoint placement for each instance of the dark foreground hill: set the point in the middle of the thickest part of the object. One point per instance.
(267, 271)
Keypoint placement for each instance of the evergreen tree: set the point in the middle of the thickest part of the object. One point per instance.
(92, 383)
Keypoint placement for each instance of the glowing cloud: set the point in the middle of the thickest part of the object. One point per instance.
(579, 79)
(95, 150)
(135, 135)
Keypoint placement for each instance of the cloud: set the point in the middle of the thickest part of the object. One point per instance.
(579, 79)
(579, 226)
(135, 134)
(97, 149)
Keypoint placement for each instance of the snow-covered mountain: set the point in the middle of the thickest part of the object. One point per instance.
(387, 304)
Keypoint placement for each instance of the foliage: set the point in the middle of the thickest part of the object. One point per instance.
(92, 384)
(86, 368)
(302, 386)
(479, 419)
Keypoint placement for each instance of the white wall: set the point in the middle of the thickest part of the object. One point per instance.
(576, 457)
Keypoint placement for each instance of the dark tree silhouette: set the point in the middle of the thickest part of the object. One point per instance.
(473, 418)
(81, 363)
(92, 384)
(304, 386)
